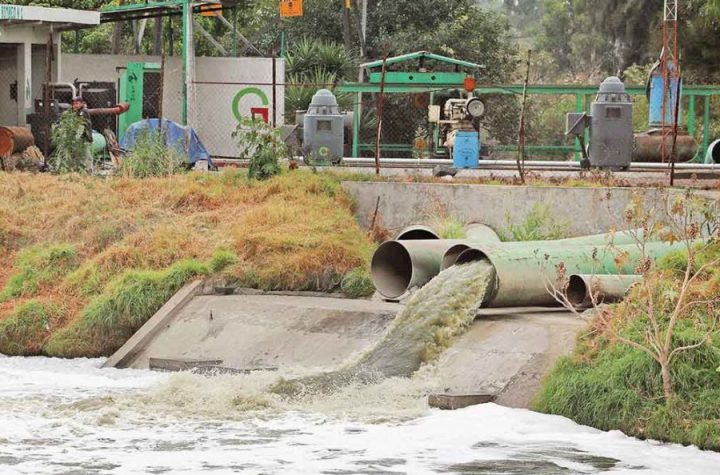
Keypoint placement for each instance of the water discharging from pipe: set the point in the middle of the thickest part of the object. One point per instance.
(438, 313)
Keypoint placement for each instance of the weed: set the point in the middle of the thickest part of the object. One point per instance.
(152, 157)
(539, 225)
(24, 331)
(358, 283)
(263, 144)
(125, 305)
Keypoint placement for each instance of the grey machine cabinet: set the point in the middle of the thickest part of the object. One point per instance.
(611, 129)
(324, 127)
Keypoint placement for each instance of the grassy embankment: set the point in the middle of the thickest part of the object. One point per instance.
(609, 385)
(84, 262)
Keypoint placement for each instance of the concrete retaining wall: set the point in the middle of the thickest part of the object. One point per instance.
(580, 211)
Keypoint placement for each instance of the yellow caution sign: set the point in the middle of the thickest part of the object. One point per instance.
(290, 8)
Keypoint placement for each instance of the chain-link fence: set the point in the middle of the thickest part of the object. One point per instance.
(8, 85)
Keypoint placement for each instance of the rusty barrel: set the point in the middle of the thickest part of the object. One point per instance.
(14, 140)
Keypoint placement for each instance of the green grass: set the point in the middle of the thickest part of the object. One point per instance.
(358, 283)
(126, 304)
(37, 266)
(539, 225)
(30, 324)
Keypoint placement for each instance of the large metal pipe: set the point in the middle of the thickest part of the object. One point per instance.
(119, 109)
(713, 153)
(649, 147)
(474, 232)
(417, 233)
(616, 239)
(14, 140)
(583, 288)
(478, 232)
(535, 164)
(398, 266)
(523, 274)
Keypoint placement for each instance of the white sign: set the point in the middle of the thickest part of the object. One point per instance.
(11, 12)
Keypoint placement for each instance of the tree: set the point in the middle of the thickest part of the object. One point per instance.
(665, 299)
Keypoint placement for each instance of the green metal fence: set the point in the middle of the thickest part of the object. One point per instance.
(583, 97)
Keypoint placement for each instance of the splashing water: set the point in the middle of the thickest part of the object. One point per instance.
(432, 319)
(70, 416)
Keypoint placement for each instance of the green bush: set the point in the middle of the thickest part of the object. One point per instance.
(126, 304)
(263, 145)
(71, 149)
(152, 157)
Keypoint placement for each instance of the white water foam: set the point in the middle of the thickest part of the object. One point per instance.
(69, 416)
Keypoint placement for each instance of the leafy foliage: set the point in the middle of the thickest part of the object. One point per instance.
(71, 149)
(263, 145)
(313, 65)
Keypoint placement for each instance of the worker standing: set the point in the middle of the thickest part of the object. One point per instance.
(79, 106)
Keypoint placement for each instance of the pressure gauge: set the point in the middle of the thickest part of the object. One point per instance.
(475, 107)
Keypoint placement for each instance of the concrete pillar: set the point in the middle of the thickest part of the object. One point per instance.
(24, 82)
(57, 56)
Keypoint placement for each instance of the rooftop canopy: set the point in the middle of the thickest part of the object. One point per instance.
(18, 16)
(421, 57)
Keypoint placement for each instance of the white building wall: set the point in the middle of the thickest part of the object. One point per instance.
(218, 82)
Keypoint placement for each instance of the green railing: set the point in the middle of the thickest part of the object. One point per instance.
(583, 97)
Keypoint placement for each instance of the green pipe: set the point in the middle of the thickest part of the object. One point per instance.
(399, 266)
(417, 233)
(524, 274)
(616, 239)
(604, 288)
(416, 257)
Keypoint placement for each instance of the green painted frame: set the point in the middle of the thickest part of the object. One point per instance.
(583, 95)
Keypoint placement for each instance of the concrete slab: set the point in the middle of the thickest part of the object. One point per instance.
(256, 331)
(504, 355)
(507, 353)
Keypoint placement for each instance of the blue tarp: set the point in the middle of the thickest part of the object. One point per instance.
(184, 139)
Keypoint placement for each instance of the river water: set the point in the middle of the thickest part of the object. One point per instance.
(71, 417)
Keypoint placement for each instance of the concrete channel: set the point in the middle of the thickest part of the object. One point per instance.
(504, 355)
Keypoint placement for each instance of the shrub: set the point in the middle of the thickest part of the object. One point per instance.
(263, 145)
(358, 283)
(71, 149)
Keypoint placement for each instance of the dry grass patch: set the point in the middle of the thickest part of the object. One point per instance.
(137, 241)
